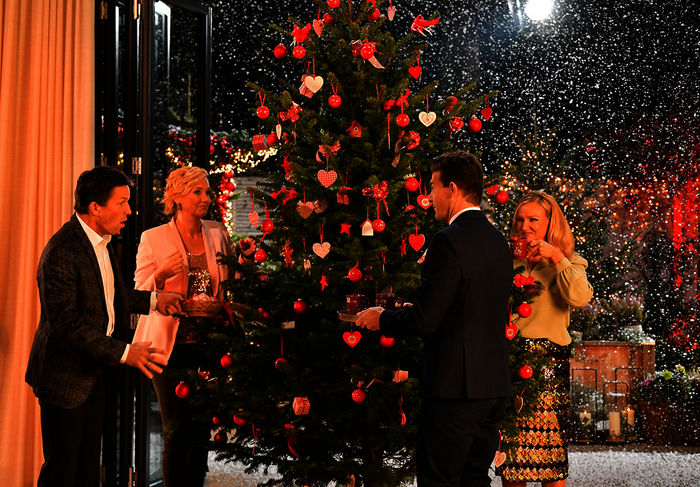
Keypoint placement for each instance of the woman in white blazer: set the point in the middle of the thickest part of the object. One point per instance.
(181, 257)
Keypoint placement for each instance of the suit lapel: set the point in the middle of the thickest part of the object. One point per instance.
(91, 256)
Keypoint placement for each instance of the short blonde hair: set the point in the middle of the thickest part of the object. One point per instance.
(558, 231)
(180, 182)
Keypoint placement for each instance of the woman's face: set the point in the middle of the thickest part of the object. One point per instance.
(531, 221)
(197, 201)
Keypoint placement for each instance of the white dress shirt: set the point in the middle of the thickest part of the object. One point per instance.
(462, 211)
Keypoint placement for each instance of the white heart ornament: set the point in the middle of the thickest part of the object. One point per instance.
(427, 118)
(327, 177)
(390, 12)
(321, 249)
(313, 83)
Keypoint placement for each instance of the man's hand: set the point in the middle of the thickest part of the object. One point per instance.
(145, 358)
(369, 318)
(168, 303)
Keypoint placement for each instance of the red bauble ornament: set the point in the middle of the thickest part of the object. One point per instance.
(298, 52)
(328, 19)
(182, 390)
(212, 148)
(358, 395)
(272, 139)
(280, 51)
(474, 124)
(524, 310)
(355, 274)
(299, 306)
(374, 15)
(267, 226)
(216, 420)
(262, 111)
(231, 186)
(502, 197)
(239, 421)
(334, 101)
(367, 51)
(378, 225)
(260, 255)
(412, 184)
(229, 174)
(386, 342)
(333, 3)
(525, 372)
(226, 361)
(280, 362)
(402, 120)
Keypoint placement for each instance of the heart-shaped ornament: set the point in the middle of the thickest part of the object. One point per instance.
(424, 201)
(352, 338)
(456, 123)
(386, 342)
(313, 83)
(499, 458)
(253, 218)
(305, 209)
(518, 403)
(492, 189)
(486, 113)
(318, 27)
(415, 71)
(416, 241)
(321, 249)
(327, 177)
(511, 331)
(390, 12)
(427, 118)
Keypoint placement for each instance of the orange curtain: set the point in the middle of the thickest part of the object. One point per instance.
(46, 140)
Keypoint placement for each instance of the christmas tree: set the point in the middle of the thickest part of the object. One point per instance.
(344, 216)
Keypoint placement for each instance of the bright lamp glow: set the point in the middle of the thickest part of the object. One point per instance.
(539, 9)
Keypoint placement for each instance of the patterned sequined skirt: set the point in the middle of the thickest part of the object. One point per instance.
(541, 454)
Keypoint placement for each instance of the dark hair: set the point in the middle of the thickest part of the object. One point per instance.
(463, 169)
(97, 185)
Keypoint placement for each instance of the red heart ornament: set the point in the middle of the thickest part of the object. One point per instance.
(492, 189)
(390, 12)
(253, 218)
(456, 123)
(424, 201)
(499, 458)
(415, 71)
(321, 249)
(386, 342)
(486, 113)
(305, 209)
(318, 27)
(352, 338)
(511, 331)
(327, 177)
(416, 241)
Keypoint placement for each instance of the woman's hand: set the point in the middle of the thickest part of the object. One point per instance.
(171, 267)
(536, 249)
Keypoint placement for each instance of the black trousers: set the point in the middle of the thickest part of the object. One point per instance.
(185, 440)
(457, 440)
(71, 441)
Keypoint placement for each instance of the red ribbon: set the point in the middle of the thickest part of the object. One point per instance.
(379, 192)
(292, 114)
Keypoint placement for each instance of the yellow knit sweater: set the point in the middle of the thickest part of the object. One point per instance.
(565, 286)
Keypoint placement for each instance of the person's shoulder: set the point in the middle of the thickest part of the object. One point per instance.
(577, 258)
(160, 229)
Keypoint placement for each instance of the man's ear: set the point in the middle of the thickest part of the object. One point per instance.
(93, 208)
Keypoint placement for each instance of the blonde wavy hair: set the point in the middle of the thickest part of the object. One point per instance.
(181, 182)
(558, 231)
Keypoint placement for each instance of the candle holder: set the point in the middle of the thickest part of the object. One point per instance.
(615, 395)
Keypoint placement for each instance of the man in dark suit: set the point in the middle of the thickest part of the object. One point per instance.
(460, 311)
(83, 301)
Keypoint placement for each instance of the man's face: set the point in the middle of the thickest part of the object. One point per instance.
(111, 217)
(442, 197)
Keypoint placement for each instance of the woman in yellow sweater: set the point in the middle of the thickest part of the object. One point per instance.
(542, 452)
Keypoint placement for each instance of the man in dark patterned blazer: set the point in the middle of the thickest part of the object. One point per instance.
(83, 300)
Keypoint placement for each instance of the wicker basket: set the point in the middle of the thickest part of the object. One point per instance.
(202, 308)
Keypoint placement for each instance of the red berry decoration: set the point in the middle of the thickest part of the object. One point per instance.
(378, 225)
(402, 120)
(260, 255)
(412, 184)
(525, 372)
(182, 390)
(226, 361)
(358, 395)
(267, 226)
(298, 52)
(354, 274)
(216, 420)
(239, 421)
(367, 51)
(502, 197)
(334, 101)
(280, 51)
(474, 124)
(333, 3)
(386, 342)
(374, 15)
(524, 310)
(262, 111)
(299, 306)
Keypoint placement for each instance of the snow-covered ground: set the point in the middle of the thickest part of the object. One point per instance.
(634, 465)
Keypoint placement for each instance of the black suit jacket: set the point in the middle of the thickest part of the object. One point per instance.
(461, 311)
(70, 346)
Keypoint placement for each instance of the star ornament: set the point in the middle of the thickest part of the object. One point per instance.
(345, 228)
(324, 282)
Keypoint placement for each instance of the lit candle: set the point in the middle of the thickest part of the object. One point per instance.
(585, 417)
(614, 419)
(630, 416)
